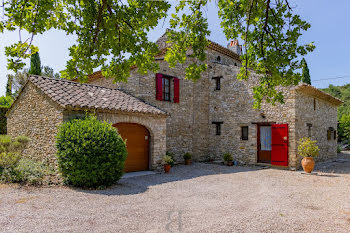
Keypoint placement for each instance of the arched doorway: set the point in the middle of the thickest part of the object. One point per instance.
(137, 144)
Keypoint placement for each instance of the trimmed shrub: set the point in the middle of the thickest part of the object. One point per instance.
(90, 153)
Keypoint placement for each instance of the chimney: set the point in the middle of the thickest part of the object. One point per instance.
(235, 47)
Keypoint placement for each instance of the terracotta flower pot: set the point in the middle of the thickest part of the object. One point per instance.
(188, 161)
(167, 168)
(308, 164)
(229, 163)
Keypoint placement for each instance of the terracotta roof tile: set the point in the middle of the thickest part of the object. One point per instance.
(76, 95)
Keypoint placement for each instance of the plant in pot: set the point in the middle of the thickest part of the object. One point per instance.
(167, 161)
(172, 157)
(188, 158)
(228, 159)
(308, 149)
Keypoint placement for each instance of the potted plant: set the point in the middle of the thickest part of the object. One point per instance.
(228, 159)
(167, 161)
(172, 157)
(308, 149)
(188, 158)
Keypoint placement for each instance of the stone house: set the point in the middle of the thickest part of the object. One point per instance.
(207, 118)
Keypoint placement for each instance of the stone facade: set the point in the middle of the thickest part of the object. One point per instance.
(35, 115)
(190, 128)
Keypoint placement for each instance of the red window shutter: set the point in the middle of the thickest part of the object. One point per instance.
(159, 88)
(176, 90)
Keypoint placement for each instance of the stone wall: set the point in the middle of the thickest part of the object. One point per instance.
(36, 116)
(323, 116)
(156, 126)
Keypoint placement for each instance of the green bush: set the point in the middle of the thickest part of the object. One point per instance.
(90, 153)
(26, 171)
(187, 156)
(11, 150)
(9, 159)
(308, 147)
(228, 157)
(339, 149)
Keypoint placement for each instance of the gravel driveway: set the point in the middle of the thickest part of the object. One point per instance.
(197, 198)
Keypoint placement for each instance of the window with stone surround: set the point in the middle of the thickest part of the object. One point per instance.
(244, 133)
(217, 127)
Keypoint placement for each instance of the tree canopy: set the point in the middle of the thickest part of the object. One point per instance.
(113, 35)
(35, 64)
(305, 73)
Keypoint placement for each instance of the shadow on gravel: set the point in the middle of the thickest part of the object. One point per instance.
(140, 184)
(135, 185)
(341, 165)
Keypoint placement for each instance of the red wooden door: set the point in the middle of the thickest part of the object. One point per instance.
(279, 153)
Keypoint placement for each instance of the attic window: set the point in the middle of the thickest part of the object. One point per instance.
(218, 59)
(235, 64)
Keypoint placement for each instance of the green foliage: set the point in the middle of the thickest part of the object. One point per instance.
(90, 153)
(167, 159)
(339, 149)
(343, 93)
(16, 145)
(49, 72)
(308, 147)
(25, 171)
(14, 167)
(113, 35)
(187, 156)
(344, 126)
(6, 101)
(9, 159)
(172, 157)
(9, 85)
(305, 73)
(228, 157)
(35, 64)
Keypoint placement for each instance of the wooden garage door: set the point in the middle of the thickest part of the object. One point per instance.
(137, 144)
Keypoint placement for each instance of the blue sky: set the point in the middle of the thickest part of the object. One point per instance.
(328, 19)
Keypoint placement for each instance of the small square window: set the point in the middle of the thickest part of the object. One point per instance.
(244, 133)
